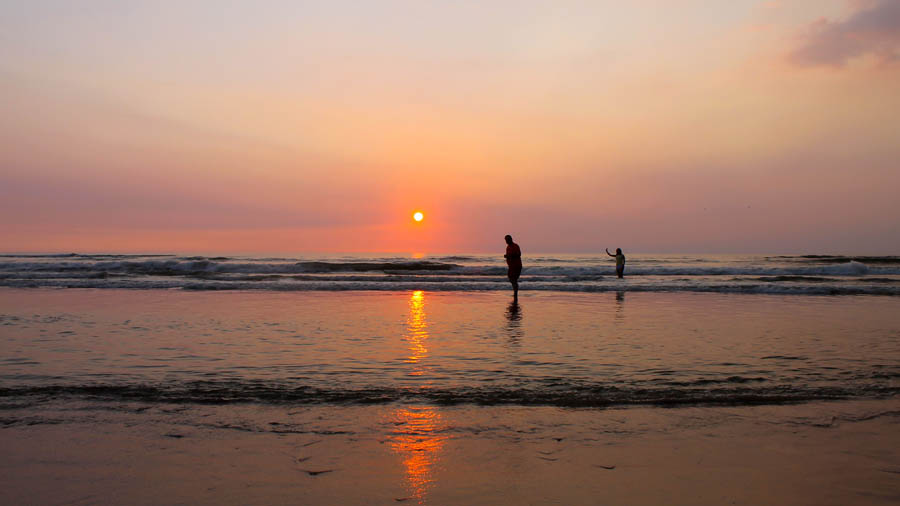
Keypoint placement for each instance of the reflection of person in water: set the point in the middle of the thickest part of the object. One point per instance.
(620, 261)
(513, 258)
(513, 313)
(620, 307)
(514, 322)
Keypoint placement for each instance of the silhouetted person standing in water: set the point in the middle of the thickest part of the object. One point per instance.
(620, 261)
(513, 258)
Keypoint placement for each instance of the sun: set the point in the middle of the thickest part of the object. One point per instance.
(418, 216)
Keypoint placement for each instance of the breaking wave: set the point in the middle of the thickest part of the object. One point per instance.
(809, 274)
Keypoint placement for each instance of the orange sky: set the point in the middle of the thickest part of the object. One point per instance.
(656, 125)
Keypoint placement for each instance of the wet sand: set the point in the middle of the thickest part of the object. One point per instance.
(818, 454)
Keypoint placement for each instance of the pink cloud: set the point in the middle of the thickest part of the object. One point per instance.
(872, 30)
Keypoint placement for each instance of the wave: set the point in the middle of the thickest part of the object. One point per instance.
(451, 273)
(194, 265)
(569, 395)
(374, 266)
(457, 258)
(849, 269)
(203, 265)
(82, 255)
(890, 259)
(495, 284)
(53, 275)
(399, 278)
(812, 279)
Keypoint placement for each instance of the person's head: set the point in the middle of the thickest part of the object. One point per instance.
(508, 239)
(618, 251)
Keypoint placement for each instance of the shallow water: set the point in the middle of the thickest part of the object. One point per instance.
(555, 349)
(418, 397)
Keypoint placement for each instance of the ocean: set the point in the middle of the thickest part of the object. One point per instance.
(423, 363)
(774, 274)
(741, 329)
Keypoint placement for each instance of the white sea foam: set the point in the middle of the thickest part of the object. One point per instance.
(789, 275)
(456, 285)
(174, 267)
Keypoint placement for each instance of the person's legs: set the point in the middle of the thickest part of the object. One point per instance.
(514, 279)
(620, 271)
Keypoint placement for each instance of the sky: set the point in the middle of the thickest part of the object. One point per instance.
(739, 126)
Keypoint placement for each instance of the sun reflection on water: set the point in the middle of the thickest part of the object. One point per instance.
(417, 331)
(418, 430)
(418, 440)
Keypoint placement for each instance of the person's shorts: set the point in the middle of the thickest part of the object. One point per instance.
(620, 269)
(514, 274)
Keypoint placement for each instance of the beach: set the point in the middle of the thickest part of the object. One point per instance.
(386, 397)
(822, 454)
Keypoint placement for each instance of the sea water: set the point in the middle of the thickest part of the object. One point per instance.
(404, 383)
(549, 348)
(773, 274)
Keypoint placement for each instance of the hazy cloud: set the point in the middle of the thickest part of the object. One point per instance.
(874, 29)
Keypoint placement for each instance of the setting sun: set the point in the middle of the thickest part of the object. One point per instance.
(418, 216)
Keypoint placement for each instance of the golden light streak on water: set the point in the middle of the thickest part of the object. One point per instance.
(417, 436)
(418, 439)
(417, 331)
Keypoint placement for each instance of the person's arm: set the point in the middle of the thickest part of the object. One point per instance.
(608, 253)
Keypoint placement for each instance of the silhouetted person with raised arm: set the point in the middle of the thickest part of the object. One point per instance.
(620, 261)
(513, 258)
